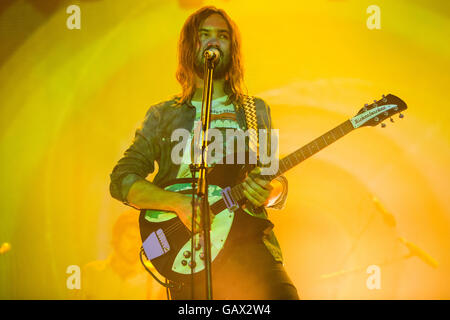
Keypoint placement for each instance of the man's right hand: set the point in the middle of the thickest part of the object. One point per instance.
(183, 209)
(145, 195)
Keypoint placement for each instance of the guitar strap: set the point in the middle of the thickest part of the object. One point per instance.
(252, 127)
(252, 124)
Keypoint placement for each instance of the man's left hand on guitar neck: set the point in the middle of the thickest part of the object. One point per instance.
(259, 191)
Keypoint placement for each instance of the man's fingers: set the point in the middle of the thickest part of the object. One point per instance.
(252, 199)
(252, 184)
(255, 172)
(255, 175)
(263, 183)
(256, 191)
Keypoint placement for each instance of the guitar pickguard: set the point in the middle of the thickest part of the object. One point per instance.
(220, 228)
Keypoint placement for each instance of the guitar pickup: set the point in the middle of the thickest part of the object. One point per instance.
(231, 204)
(156, 244)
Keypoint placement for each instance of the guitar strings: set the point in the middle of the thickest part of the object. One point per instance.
(173, 227)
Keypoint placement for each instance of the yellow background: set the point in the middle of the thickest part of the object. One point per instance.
(70, 101)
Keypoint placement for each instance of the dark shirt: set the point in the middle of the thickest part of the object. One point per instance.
(152, 142)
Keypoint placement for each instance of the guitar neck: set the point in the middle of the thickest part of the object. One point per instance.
(292, 160)
(311, 148)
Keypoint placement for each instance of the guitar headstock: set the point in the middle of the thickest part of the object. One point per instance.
(378, 111)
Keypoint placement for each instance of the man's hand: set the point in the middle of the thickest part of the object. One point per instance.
(257, 190)
(183, 209)
(144, 194)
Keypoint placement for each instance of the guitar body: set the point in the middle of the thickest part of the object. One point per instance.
(167, 241)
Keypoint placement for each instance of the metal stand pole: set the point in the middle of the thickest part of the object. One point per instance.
(202, 189)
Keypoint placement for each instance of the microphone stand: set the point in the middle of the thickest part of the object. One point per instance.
(202, 187)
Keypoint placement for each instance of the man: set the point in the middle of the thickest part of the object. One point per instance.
(254, 267)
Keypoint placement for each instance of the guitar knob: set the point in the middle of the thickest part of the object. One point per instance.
(183, 262)
(192, 264)
(376, 119)
(383, 125)
(187, 254)
(401, 115)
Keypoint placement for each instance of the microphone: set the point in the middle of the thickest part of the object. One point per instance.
(212, 54)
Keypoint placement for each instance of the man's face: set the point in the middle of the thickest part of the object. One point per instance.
(214, 33)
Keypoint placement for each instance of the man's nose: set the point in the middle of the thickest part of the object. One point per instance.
(213, 42)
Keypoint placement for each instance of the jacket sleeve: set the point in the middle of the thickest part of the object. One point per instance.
(138, 160)
(280, 202)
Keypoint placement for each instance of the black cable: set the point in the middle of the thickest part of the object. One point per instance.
(166, 285)
(167, 291)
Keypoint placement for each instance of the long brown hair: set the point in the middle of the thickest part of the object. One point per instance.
(234, 78)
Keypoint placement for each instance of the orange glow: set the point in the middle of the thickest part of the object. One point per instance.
(71, 100)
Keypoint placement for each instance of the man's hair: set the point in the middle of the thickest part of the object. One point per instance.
(187, 45)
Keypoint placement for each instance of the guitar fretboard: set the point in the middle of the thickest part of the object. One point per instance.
(291, 160)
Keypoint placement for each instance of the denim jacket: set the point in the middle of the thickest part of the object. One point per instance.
(152, 142)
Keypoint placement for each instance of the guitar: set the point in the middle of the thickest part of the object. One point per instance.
(167, 241)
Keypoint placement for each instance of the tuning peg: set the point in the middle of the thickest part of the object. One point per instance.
(401, 115)
(392, 120)
(384, 98)
(383, 125)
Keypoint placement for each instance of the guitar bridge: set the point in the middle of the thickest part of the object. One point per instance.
(156, 244)
(231, 204)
